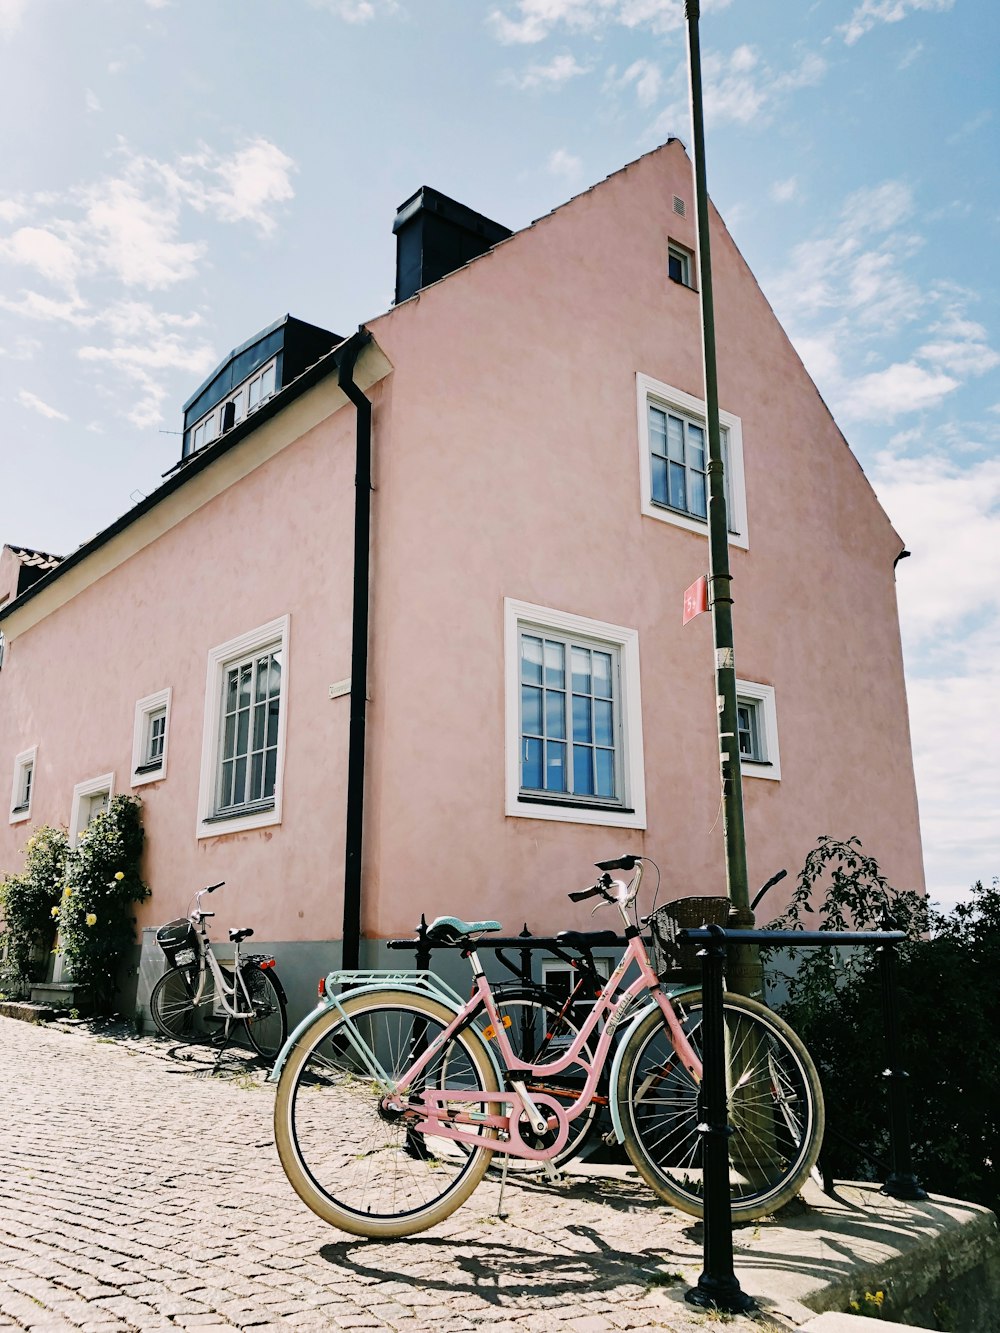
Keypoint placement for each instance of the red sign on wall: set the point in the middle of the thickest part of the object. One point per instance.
(696, 599)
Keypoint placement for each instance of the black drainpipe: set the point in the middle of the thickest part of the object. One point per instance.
(359, 655)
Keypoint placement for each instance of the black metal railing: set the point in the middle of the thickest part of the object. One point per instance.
(718, 1285)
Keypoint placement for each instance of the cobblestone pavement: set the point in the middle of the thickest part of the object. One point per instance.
(140, 1190)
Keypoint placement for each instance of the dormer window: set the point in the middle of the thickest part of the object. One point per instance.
(251, 394)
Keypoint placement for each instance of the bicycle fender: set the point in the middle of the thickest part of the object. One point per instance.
(330, 1002)
(616, 1115)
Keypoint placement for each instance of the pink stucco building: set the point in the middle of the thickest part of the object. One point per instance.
(531, 702)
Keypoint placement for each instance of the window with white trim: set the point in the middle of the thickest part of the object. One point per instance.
(90, 799)
(673, 460)
(150, 737)
(244, 739)
(757, 730)
(251, 394)
(574, 737)
(23, 785)
(680, 264)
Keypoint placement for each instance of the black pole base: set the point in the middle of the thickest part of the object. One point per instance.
(904, 1187)
(725, 1295)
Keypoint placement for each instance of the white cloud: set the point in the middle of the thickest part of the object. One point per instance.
(555, 74)
(647, 80)
(530, 21)
(91, 101)
(244, 187)
(872, 12)
(783, 192)
(563, 164)
(35, 404)
(130, 230)
(738, 88)
(903, 387)
(45, 252)
(356, 11)
(11, 13)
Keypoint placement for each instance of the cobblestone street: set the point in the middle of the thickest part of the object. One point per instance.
(142, 1191)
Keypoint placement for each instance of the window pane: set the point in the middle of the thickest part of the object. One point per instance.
(659, 481)
(270, 768)
(581, 670)
(605, 773)
(581, 718)
(226, 794)
(531, 660)
(267, 382)
(239, 781)
(229, 739)
(678, 488)
(531, 710)
(255, 393)
(242, 730)
(555, 766)
(675, 267)
(555, 714)
(260, 691)
(658, 431)
(256, 777)
(239, 404)
(273, 710)
(211, 427)
(274, 686)
(602, 675)
(696, 447)
(259, 725)
(531, 764)
(246, 678)
(583, 775)
(555, 665)
(603, 722)
(675, 439)
(697, 505)
(232, 679)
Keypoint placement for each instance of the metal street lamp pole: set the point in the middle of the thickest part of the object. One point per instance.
(744, 975)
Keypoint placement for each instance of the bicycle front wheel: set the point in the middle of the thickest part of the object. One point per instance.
(358, 1164)
(180, 1012)
(268, 1028)
(775, 1108)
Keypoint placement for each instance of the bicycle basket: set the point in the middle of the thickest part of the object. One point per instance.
(669, 958)
(179, 941)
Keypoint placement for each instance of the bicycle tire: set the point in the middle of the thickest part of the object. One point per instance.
(775, 1109)
(267, 1030)
(173, 1009)
(540, 1040)
(350, 1160)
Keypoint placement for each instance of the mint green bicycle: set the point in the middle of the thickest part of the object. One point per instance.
(394, 1095)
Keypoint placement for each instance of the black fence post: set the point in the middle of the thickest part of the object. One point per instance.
(423, 959)
(718, 1285)
(902, 1182)
(526, 974)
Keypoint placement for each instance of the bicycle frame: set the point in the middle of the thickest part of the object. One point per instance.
(222, 989)
(430, 1110)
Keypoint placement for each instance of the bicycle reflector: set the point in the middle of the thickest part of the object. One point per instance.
(321, 988)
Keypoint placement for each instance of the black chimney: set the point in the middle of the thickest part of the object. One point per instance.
(434, 236)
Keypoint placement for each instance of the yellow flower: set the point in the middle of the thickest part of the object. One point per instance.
(91, 918)
(54, 913)
(119, 874)
(67, 892)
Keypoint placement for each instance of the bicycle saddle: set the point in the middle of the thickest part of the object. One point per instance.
(236, 935)
(586, 939)
(451, 929)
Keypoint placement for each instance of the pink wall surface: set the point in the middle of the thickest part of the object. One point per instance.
(277, 542)
(507, 465)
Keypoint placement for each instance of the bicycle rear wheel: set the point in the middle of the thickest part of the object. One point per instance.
(180, 1012)
(356, 1162)
(775, 1109)
(268, 1028)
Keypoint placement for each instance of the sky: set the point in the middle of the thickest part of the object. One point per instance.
(180, 173)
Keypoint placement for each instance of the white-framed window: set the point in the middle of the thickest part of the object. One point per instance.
(250, 395)
(757, 730)
(573, 718)
(90, 799)
(673, 460)
(149, 738)
(23, 786)
(680, 264)
(244, 735)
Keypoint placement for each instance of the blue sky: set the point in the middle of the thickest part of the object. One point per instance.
(180, 174)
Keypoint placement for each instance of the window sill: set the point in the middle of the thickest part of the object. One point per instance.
(153, 766)
(567, 803)
(239, 812)
(20, 813)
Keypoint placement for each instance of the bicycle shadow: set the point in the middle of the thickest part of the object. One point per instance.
(502, 1272)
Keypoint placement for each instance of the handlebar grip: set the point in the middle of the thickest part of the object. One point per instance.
(619, 863)
(212, 887)
(579, 894)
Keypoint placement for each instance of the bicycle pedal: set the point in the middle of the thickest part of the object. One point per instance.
(552, 1173)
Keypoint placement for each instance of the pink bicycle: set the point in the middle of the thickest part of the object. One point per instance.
(394, 1094)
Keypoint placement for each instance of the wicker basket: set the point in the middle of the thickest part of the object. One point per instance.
(673, 960)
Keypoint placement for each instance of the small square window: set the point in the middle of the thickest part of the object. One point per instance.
(23, 785)
(90, 799)
(679, 265)
(748, 728)
(149, 738)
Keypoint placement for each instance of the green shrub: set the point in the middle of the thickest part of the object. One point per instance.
(96, 922)
(948, 1010)
(26, 903)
